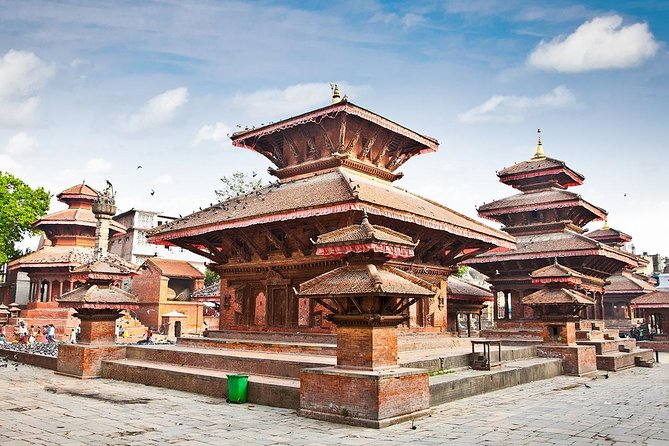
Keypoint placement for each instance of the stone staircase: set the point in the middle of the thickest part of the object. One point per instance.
(201, 365)
(618, 354)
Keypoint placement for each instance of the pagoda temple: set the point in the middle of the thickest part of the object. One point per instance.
(331, 164)
(623, 286)
(548, 222)
(70, 240)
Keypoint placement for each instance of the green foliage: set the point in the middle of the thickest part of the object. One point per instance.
(238, 183)
(462, 270)
(20, 207)
(210, 277)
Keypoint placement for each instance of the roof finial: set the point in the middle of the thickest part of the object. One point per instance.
(336, 96)
(364, 224)
(540, 148)
(606, 223)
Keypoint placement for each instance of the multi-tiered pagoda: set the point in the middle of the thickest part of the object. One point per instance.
(548, 222)
(623, 286)
(331, 164)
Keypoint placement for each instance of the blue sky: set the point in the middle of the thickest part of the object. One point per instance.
(92, 89)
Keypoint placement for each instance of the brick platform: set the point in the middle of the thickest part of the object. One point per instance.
(374, 399)
(85, 361)
(578, 360)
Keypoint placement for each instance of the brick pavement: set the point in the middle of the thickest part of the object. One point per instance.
(39, 407)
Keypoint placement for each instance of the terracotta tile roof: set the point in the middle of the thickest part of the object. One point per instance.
(366, 279)
(339, 191)
(108, 264)
(606, 234)
(364, 232)
(555, 270)
(54, 256)
(551, 245)
(460, 287)
(557, 296)
(213, 290)
(626, 283)
(656, 299)
(78, 191)
(98, 297)
(175, 268)
(535, 165)
(542, 199)
(79, 217)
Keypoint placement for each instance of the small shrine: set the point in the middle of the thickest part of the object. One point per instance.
(98, 303)
(558, 305)
(367, 300)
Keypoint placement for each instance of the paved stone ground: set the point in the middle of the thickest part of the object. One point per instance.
(39, 407)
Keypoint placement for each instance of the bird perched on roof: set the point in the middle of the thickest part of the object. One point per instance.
(153, 192)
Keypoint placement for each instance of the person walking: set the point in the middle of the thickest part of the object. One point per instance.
(73, 336)
(149, 336)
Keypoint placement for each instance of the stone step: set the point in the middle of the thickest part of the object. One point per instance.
(463, 384)
(241, 361)
(309, 348)
(285, 392)
(605, 346)
(616, 361)
(265, 390)
(322, 338)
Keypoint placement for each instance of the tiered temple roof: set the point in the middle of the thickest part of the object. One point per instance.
(330, 162)
(548, 222)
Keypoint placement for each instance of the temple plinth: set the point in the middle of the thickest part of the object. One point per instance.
(558, 305)
(368, 300)
(98, 304)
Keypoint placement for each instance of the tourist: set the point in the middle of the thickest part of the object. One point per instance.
(50, 333)
(73, 336)
(149, 336)
(23, 333)
(31, 335)
(2, 334)
(117, 331)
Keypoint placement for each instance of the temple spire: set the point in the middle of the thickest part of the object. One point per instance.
(336, 96)
(606, 223)
(540, 148)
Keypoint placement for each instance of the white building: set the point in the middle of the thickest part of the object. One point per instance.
(133, 246)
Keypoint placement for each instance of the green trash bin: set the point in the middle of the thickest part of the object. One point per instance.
(237, 385)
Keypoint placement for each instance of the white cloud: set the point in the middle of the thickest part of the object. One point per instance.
(21, 144)
(600, 44)
(97, 165)
(275, 103)
(92, 170)
(8, 164)
(510, 109)
(215, 133)
(162, 180)
(22, 75)
(158, 110)
(407, 21)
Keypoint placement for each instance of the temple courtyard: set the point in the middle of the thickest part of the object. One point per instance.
(40, 407)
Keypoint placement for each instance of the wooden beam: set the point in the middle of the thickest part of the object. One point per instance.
(328, 141)
(356, 137)
(195, 250)
(255, 249)
(319, 226)
(342, 132)
(368, 147)
(305, 248)
(281, 246)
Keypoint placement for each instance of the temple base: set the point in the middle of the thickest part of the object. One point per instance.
(375, 399)
(85, 361)
(577, 360)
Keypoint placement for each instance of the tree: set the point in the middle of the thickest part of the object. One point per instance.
(210, 277)
(238, 183)
(20, 207)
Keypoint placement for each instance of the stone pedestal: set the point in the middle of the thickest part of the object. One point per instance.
(367, 387)
(85, 361)
(366, 348)
(366, 398)
(96, 343)
(578, 360)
